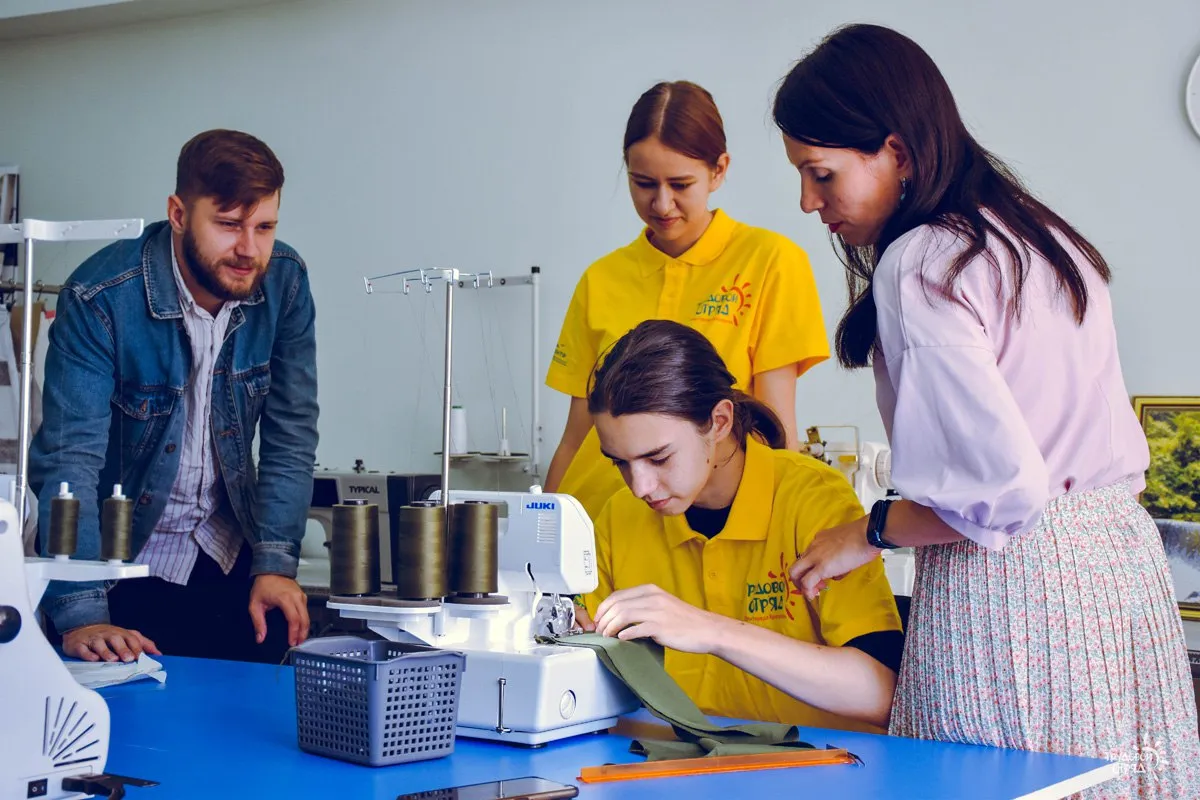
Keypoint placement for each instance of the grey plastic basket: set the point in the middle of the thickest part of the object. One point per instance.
(376, 702)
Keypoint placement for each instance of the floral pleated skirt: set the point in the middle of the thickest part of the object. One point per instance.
(1068, 640)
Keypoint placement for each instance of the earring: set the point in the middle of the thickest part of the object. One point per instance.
(904, 184)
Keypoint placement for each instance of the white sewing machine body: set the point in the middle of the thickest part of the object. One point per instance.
(513, 688)
(54, 728)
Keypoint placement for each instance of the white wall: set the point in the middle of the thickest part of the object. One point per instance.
(487, 135)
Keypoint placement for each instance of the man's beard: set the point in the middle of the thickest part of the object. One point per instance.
(208, 274)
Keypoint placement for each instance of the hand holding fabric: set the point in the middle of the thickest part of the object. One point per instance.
(650, 612)
(106, 643)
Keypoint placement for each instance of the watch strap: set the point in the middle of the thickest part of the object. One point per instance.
(876, 523)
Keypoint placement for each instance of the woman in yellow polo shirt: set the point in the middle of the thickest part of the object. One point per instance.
(750, 291)
(695, 552)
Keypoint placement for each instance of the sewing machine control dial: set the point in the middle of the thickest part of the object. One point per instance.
(566, 705)
(10, 624)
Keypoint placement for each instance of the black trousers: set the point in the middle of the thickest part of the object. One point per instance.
(207, 618)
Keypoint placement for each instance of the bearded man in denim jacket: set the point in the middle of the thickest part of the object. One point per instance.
(168, 353)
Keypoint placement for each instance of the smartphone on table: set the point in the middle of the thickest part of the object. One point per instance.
(512, 789)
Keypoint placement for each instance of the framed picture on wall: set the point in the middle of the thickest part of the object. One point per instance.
(1172, 496)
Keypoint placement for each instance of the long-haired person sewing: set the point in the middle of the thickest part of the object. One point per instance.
(750, 291)
(694, 552)
(1043, 616)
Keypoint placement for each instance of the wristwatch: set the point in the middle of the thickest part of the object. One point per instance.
(875, 524)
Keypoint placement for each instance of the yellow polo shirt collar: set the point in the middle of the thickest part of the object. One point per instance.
(711, 244)
(752, 505)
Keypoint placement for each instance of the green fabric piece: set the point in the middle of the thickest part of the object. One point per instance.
(639, 665)
(665, 749)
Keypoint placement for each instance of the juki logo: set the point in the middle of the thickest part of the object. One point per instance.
(540, 506)
(363, 489)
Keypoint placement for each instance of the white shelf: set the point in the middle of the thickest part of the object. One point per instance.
(73, 569)
(491, 458)
(40, 571)
(496, 458)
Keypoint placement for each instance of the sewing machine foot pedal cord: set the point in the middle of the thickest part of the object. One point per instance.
(110, 786)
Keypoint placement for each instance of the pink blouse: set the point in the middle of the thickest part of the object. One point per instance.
(991, 416)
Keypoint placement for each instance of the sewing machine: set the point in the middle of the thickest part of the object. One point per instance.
(514, 689)
(868, 467)
(385, 489)
(54, 741)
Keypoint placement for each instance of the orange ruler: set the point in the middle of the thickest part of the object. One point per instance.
(713, 764)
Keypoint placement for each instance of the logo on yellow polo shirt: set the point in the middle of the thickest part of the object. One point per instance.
(727, 305)
(771, 599)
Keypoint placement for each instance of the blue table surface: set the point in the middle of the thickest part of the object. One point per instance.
(228, 730)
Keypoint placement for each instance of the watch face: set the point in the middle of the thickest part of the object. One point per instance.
(1192, 97)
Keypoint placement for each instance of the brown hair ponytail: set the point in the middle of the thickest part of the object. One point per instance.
(662, 367)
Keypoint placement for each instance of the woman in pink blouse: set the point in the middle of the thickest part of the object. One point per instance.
(1043, 616)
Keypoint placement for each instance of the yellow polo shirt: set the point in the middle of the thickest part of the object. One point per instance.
(750, 291)
(784, 499)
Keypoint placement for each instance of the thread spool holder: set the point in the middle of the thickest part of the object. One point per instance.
(30, 231)
(458, 279)
(30, 669)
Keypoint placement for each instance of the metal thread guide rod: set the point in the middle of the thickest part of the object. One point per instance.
(30, 231)
(536, 434)
(533, 281)
(426, 278)
(455, 278)
(447, 371)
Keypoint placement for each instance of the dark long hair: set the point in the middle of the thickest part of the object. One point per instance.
(866, 82)
(662, 367)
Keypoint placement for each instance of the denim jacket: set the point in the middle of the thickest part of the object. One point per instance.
(113, 406)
